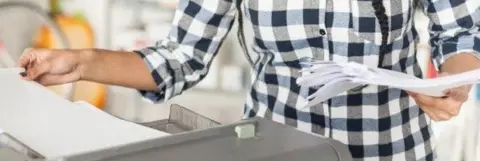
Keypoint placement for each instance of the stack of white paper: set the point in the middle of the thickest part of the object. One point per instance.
(55, 127)
(334, 78)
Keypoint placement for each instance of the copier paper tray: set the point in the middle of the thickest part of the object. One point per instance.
(182, 120)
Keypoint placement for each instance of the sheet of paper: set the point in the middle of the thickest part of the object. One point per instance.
(333, 78)
(333, 90)
(55, 127)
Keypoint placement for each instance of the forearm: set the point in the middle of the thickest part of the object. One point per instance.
(460, 63)
(116, 68)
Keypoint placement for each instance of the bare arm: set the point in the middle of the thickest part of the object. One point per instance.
(461, 63)
(126, 69)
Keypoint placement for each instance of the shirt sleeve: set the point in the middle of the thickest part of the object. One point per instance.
(181, 60)
(454, 28)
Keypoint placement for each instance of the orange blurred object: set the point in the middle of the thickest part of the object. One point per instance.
(93, 93)
(78, 32)
(431, 71)
(79, 35)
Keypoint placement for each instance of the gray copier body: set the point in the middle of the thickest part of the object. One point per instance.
(272, 142)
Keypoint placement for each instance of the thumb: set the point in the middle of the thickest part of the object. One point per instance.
(25, 59)
(458, 94)
(38, 70)
(28, 57)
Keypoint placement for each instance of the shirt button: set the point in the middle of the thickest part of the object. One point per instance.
(323, 32)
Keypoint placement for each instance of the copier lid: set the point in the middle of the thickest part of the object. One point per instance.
(56, 127)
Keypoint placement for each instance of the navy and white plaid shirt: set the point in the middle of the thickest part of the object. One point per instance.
(377, 123)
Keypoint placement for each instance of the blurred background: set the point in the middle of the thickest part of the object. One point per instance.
(134, 24)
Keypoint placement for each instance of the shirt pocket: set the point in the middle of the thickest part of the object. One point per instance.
(365, 24)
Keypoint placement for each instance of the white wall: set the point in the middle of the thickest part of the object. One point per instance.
(94, 10)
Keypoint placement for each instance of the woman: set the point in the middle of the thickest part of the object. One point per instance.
(376, 122)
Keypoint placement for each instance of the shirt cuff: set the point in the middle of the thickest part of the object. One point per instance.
(445, 50)
(159, 74)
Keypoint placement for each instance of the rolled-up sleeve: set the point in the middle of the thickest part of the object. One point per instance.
(454, 28)
(181, 60)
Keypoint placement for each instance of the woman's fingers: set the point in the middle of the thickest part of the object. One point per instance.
(33, 60)
(459, 94)
(33, 56)
(436, 115)
(451, 106)
(442, 116)
(37, 70)
(422, 102)
(25, 60)
(430, 113)
(442, 108)
(439, 109)
(425, 100)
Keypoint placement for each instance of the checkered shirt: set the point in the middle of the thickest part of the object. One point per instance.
(376, 122)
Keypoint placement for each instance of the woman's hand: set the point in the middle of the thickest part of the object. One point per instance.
(51, 67)
(443, 108)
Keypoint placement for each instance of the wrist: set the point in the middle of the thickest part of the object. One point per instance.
(85, 58)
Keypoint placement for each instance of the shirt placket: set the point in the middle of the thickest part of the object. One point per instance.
(323, 29)
(326, 57)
